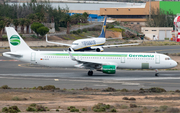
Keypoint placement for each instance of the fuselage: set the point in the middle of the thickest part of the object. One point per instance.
(86, 44)
(120, 59)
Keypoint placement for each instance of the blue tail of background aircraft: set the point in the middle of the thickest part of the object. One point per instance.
(102, 35)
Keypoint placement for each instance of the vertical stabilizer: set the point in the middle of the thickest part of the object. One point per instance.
(102, 35)
(16, 43)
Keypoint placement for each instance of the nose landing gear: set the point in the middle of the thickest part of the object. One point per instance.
(156, 74)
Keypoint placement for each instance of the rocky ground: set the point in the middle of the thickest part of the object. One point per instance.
(124, 101)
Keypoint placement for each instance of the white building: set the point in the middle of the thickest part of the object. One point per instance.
(157, 33)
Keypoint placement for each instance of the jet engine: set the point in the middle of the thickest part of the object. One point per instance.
(108, 69)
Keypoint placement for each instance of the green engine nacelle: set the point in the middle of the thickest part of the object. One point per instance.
(109, 69)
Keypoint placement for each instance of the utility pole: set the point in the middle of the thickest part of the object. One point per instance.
(149, 9)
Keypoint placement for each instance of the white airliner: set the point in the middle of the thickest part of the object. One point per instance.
(107, 62)
(95, 43)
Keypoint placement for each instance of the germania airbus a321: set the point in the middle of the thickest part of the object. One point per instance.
(107, 62)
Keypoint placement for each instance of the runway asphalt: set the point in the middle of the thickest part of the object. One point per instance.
(19, 74)
(149, 49)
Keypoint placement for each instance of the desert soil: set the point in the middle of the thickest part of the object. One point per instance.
(61, 99)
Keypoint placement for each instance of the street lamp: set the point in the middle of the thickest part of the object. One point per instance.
(80, 24)
(149, 9)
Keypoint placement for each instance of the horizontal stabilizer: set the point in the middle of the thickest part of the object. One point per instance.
(12, 54)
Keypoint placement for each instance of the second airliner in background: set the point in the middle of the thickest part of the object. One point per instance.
(95, 43)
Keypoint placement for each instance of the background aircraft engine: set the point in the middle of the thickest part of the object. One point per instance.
(108, 69)
(99, 49)
(69, 49)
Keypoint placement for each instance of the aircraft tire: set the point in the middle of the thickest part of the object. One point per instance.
(98, 50)
(90, 73)
(157, 74)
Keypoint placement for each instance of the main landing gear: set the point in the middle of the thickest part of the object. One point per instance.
(90, 73)
(156, 74)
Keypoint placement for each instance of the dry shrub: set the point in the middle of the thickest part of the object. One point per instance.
(40, 108)
(109, 89)
(11, 109)
(5, 87)
(123, 106)
(87, 89)
(157, 90)
(100, 107)
(173, 110)
(125, 98)
(133, 105)
(39, 88)
(132, 98)
(73, 109)
(49, 87)
(124, 90)
(178, 91)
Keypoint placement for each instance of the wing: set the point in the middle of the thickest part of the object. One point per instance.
(57, 43)
(105, 46)
(89, 64)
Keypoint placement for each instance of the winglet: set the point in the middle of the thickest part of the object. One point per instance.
(102, 35)
(72, 57)
(46, 38)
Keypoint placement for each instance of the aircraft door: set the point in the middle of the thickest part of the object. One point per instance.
(79, 57)
(157, 59)
(33, 56)
(122, 59)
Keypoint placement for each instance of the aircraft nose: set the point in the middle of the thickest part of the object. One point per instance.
(174, 64)
(73, 46)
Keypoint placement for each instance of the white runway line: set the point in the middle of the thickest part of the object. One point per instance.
(102, 85)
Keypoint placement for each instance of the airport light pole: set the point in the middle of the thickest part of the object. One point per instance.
(80, 24)
(149, 9)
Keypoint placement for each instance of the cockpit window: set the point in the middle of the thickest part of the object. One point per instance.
(167, 58)
(75, 43)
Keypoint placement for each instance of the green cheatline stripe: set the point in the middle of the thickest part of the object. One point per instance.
(85, 54)
(15, 40)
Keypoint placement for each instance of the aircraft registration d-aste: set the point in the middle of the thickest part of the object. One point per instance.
(107, 62)
(95, 43)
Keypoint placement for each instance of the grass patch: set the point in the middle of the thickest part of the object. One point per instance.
(47, 87)
(72, 109)
(16, 98)
(11, 109)
(123, 106)
(33, 107)
(84, 109)
(5, 87)
(159, 43)
(116, 29)
(100, 107)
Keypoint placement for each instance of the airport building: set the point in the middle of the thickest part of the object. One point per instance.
(138, 15)
(157, 33)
